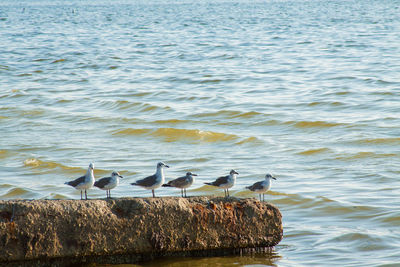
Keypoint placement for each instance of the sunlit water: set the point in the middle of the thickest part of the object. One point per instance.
(306, 90)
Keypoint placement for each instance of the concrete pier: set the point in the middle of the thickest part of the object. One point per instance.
(129, 230)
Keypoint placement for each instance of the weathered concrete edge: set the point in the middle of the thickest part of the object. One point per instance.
(134, 258)
(208, 213)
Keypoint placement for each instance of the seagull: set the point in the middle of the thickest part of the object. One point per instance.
(154, 181)
(182, 182)
(108, 183)
(262, 186)
(84, 182)
(225, 182)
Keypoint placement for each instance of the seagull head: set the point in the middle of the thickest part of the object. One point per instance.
(233, 172)
(162, 164)
(269, 176)
(91, 166)
(114, 174)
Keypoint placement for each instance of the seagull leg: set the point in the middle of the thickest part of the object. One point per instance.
(81, 195)
(227, 191)
(181, 192)
(153, 192)
(185, 192)
(85, 194)
(263, 197)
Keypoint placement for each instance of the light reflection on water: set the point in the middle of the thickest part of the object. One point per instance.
(306, 90)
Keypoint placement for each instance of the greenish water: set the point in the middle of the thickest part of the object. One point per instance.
(306, 90)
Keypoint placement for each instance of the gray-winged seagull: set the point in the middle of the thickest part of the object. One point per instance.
(225, 182)
(108, 183)
(84, 182)
(182, 182)
(154, 181)
(263, 186)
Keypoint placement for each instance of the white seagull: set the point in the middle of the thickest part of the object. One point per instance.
(263, 186)
(225, 182)
(182, 182)
(84, 182)
(108, 183)
(154, 181)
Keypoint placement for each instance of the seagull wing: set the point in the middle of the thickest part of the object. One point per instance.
(179, 182)
(77, 181)
(255, 186)
(220, 181)
(102, 182)
(146, 182)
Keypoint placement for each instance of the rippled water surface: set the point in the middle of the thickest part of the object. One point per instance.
(306, 90)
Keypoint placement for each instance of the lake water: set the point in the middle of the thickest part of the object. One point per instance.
(306, 90)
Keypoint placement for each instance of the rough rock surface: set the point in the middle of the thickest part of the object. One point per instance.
(57, 232)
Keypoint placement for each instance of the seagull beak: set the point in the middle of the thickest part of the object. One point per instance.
(193, 174)
(236, 172)
(120, 176)
(273, 177)
(166, 166)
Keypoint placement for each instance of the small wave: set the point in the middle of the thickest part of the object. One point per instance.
(148, 108)
(295, 201)
(173, 134)
(231, 114)
(380, 141)
(171, 121)
(390, 218)
(139, 94)
(5, 186)
(18, 192)
(365, 155)
(314, 151)
(268, 123)
(55, 196)
(24, 74)
(124, 104)
(210, 81)
(32, 113)
(361, 241)
(221, 113)
(40, 59)
(313, 124)
(37, 163)
(320, 204)
(249, 140)
(250, 114)
(58, 60)
(49, 166)
(193, 98)
(4, 67)
(3, 154)
(334, 103)
(131, 131)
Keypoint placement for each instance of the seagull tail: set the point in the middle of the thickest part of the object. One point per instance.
(208, 183)
(166, 185)
(134, 184)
